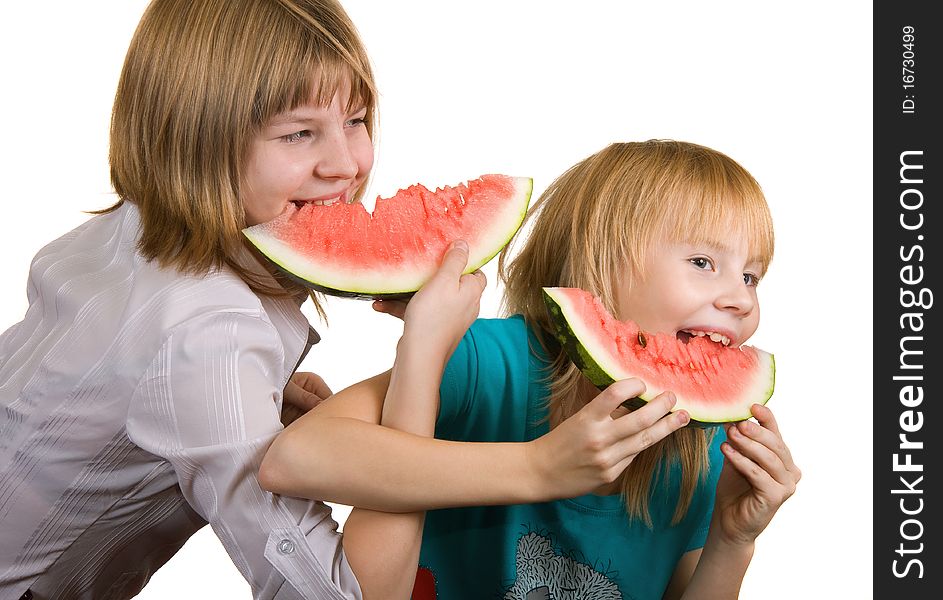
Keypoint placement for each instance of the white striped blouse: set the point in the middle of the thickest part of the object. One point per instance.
(137, 404)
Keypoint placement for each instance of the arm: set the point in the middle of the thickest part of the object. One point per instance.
(383, 548)
(758, 476)
(338, 452)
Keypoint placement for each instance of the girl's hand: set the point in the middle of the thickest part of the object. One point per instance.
(594, 446)
(441, 312)
(757, 477)
(397, 308)
(303, 392)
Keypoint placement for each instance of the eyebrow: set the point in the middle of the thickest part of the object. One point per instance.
(290, 117)
(718, 246)
(294, 117)
(721, 247)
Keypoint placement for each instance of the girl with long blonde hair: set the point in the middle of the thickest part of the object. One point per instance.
(672, 235)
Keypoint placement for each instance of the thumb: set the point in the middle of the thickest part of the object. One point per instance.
(455, 259)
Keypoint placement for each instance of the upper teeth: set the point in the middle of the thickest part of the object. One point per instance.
(328, 202)
(713, 335)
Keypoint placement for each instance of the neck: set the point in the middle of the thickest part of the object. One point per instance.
(583, 395)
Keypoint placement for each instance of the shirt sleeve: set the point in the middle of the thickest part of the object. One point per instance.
(208, 405)
(484, 392)
(459, 381)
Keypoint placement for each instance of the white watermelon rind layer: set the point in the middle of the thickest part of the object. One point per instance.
(385, 282)
(597, 360)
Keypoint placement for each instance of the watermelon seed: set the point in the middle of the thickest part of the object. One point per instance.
(641, 339)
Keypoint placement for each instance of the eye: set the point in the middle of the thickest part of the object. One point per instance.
(357, 121)
(751, 280)
(294, 138)
(702, 262)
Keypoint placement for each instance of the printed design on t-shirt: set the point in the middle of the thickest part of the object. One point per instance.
(424, 588)
(545, 574)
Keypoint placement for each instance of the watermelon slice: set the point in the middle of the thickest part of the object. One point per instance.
(713, 383)
(343, 250)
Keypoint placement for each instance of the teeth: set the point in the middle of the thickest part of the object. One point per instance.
(713, 335)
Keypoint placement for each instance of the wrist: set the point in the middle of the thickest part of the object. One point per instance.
(538, 475)
(414, 348)
(730, 549)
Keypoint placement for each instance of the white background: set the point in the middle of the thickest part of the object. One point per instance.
(529, 88)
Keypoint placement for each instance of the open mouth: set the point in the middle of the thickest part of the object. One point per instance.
(344, 198)
(685, 335)
(301, 203)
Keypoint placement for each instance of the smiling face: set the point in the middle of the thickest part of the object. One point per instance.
(700, 288)
(310, 154)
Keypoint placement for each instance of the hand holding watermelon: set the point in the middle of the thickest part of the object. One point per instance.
(758, 476)
(443, 309)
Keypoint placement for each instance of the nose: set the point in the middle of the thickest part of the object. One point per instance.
(736, 297)
(337, 160)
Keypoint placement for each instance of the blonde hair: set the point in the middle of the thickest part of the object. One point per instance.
(604, 214)
(200, 79)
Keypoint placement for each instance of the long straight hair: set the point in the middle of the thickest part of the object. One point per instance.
(593, 227)
(200, 80)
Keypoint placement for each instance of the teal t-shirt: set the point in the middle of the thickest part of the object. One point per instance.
(584, 547)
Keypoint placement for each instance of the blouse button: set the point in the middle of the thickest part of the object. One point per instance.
(286, 547)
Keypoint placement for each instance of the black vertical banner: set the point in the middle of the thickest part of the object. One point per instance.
(908, 372)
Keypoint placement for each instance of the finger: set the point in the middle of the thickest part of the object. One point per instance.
(746, 439)
(477, 279)
(768, 422)
(647, 415)
(609, 399)
(455, 260)
(759, 479)
(315, 384)
(297, 396)
(632, 440)
(306, 380)
(765, 417)
(290, 414)
(396, 308)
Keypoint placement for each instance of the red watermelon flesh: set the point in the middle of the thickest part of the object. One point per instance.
(713, 383)
(344, 250)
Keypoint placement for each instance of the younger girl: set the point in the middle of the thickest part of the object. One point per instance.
(147, 379)
(676, 237)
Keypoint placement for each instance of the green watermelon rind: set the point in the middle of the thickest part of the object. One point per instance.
(291, 263)
(577, 346)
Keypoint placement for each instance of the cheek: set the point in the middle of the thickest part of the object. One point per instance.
(755, 319)
(266, 185)
(262, 173)
(362, 151)
(645, 308)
